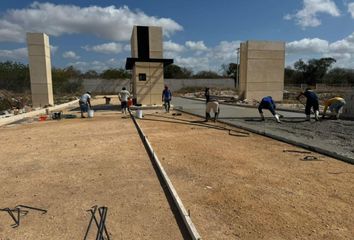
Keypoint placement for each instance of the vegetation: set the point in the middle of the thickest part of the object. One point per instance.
(15, 76)
(115, 73)
(175, 71)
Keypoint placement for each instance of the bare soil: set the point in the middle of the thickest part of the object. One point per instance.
(68, 166)
(251, 187)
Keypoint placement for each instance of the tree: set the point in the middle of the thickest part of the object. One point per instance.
(115, 73)
(340, 76)
(229, 70)
(14, 76)
(90, 74)
(314, 70)
(175, 71)
(206, 74)
(61, 80)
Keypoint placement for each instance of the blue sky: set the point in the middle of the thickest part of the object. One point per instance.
(198, 34)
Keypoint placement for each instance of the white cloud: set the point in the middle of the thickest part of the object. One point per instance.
(14, 54)
(196, 46)
(70, 55)
(53, 49)
(345, 45)
(194, 63)
(104, 22)
(307, 45)
(106, 48)
(351, 9)
(20, 53)
(341, 50)
(308, 16)
(98, 66)
(226, 51)
(210, 59)
(173, 47)
(127, 48)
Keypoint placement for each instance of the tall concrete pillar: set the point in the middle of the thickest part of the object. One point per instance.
(348, 109)
(40, 69)
(147, 64)
(262, 69)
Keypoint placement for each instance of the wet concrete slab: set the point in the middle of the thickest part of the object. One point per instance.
(332, 137)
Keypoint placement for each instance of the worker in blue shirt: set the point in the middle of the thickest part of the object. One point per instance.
(268, 103)
(166, 98)
(311, 102)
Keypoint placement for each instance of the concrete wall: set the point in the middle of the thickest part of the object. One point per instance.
(348, 109)
(105, 86)
(177, 84)
(40, 69)
(155, 42)
(148, 92)
(262, 69)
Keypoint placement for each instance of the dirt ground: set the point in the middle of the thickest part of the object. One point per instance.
(235, 186)
(68, 166)
(250, 187)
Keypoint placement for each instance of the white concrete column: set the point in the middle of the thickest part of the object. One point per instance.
(348, 109)
(40, 69)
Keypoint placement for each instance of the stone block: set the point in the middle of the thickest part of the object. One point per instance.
(40, 69)
(262, 69)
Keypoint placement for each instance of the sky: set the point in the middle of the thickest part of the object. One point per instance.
(198, 34)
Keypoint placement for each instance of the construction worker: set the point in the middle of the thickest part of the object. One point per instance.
(166, 98)
(311, 102)
(85, 103)
(123, 98)
(212, 105)
(268, 103)
(334, 104)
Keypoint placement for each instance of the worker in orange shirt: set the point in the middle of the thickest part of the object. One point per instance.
(334, 105)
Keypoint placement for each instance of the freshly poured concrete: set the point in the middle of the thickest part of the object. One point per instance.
(334, 136)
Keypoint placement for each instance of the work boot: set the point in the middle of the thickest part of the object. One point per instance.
(216, 116)
(337, 115)
(262, 116)
(308, 118)
(207, 116)
(277, 118)
(317, 113)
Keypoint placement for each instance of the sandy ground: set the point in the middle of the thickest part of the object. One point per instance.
(67, 166)
(248, 187)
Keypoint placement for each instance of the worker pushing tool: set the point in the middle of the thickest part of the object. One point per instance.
(334, 105)
(311, 102)
(212, 106)
(268, 103)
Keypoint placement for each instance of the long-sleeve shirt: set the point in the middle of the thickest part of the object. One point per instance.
(269, 99)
